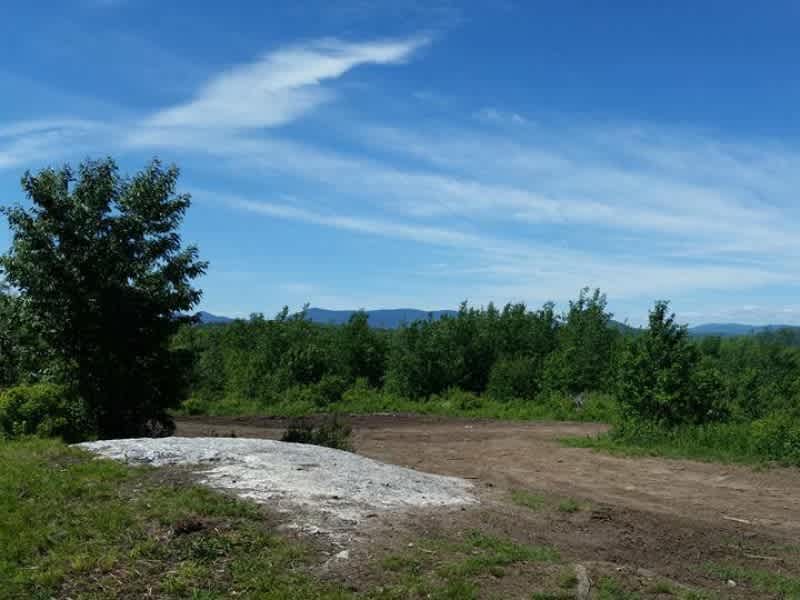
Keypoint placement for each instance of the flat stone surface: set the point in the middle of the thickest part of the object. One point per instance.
(331, 484)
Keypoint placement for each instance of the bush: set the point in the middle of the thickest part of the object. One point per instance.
(194, 406)
(777, 437)
(330, 389)
(512, 378)
(461, 400)
(330, 433)
(327, 391)
(45, 410)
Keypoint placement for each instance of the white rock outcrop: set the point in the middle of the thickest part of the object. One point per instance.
(331, 484)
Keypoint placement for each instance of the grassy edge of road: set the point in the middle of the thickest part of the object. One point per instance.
(741, 443)
(72, 526)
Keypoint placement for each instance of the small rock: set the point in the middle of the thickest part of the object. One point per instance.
(731, 583)
(343, 555)
(584, 588)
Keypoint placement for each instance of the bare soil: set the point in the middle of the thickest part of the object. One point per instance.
(643, 519)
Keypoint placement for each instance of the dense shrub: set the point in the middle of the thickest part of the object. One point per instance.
(777, 437)
(43, 409)
(512, 378)
(330, 389)
(331, 433)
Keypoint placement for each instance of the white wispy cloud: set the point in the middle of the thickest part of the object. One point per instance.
(499, 116)
(418, 233)
(527, 209)
(280, 86)
(537, 270)
(26, 142)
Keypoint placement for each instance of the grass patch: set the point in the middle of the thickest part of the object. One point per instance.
(528, 499)
(609, 588)
(443, 568)
(491, 552)
(716, 442)
(569, 506)
(568, 579)
(359, 399)
(661, 587)
(72, 526)
(537, 502)
(787, 586)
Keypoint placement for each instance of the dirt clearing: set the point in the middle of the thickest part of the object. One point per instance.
(651, 522)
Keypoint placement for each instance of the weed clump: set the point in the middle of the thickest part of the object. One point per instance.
(330, 433)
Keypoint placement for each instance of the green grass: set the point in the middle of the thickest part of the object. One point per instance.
(528, 499)
(718, 442)
(661, 587)
(489, 552)
(75, 527)
(569, 506)
(787, 586)
(455, 403)
(446, 568)
(610, 589)
(568, 579)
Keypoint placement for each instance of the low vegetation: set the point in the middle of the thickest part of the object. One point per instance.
(330, 432)
(77, 527)
(783, 585)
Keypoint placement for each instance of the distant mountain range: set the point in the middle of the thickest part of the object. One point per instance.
(390, 318)
(733, 329)
(206, 318)
(393, 318)
(385, 318)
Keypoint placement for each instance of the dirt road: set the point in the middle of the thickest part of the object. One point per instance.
(528, 456)
(668, 515)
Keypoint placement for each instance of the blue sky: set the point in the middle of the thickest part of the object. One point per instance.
(416, 154)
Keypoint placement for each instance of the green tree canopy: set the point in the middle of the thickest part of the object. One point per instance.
(663, 376)
(583, 359)
(101, 267)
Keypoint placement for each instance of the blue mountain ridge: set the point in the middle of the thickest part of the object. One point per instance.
(392, 318)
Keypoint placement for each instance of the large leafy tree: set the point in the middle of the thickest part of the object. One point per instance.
(101, 267)
(663, 376)
(586, 342)
(363, 349)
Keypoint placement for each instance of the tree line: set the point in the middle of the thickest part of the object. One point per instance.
(509, 354)
(94, 340)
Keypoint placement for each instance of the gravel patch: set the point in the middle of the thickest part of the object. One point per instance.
(332, 489)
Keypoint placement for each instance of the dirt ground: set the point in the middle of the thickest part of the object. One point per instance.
(641, 517)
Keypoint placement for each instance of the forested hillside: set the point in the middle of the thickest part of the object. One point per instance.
(514, 362)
